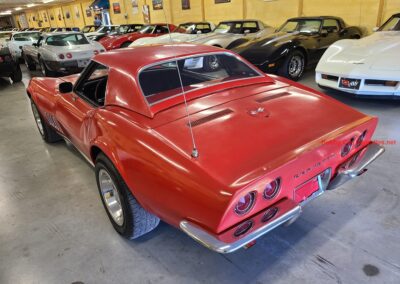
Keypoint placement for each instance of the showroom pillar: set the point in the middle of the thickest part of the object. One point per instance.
(300, 9)
(380, 12)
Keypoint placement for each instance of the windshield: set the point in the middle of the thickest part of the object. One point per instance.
(392, 25)
(128, 29)
(193, 28)
(147, 29)
(89, 29)
(26, 37)
(67, 40)
(5, 35)
(195, 72)
(303, 26)
(236, 27)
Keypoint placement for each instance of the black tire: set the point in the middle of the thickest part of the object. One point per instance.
(136, 220)
(16, 76)
(45, 71)
(126, 44)
(48, 134)
(294, 65)
(30, 64)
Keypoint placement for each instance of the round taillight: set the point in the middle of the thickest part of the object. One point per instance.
(69, 55)
(243, 228)
(61, 56)
(245, 203)
(269, 214)
(361, 138)
(272, 189)
(347, 147)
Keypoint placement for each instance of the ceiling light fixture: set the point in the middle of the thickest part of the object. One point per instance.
(18, 8)
(30, 5)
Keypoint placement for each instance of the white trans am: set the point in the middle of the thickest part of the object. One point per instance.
(19, 40)
(229, 34)
(60, 53)
(368, 66)
(183, 33)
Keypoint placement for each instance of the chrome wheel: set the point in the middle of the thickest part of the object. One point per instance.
(296, 66)
(110, 195)
(38, 119)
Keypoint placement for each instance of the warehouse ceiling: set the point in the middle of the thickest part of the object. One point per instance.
(14, 6)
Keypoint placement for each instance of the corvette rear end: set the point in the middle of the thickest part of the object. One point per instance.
(269, 165)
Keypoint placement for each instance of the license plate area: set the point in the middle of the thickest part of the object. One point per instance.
(312, 188)
(350, 83)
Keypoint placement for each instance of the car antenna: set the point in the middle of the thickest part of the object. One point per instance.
(195, 151)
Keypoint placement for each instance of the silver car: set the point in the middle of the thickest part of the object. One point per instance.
(229, 34)
(61, 53)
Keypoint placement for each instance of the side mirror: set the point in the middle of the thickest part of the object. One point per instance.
(246, 32)
(375, 29)
(65, 87)
(324, 32)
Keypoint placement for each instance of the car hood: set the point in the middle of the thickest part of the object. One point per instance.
(377, 52)
(256, 132)
(176, 37)
(258, 49)
(215, 36)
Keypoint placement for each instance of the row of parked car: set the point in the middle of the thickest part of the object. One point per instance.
(287, 51)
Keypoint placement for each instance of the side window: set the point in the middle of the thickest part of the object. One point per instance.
(161, 30)
(331, 25)
(251, 26)
(93, 86)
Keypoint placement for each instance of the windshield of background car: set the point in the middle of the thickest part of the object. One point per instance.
(392, 25)
(233, 27)
(5, 35)
(195, 72)
(89, 29)
(147, 29)
(67, 40)
(26, 37)
(303, 26)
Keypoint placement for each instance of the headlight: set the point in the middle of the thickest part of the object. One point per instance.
(272, 189)
(245, 203)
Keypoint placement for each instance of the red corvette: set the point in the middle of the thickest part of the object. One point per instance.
(117, 41)
(198, 137)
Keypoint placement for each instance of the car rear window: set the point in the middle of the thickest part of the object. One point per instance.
(195, 72)
(67, 40)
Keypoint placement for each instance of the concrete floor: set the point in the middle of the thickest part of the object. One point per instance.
(53, 228)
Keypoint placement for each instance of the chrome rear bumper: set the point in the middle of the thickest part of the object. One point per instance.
(211, 242)
(354, 167)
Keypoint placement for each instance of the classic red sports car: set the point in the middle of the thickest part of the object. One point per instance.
(198, 137)
(117, 41)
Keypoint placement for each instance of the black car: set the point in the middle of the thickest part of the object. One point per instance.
(297, 44)
(8, 67)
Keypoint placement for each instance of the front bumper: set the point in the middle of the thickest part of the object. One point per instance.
(288, 210)
(364, 88)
